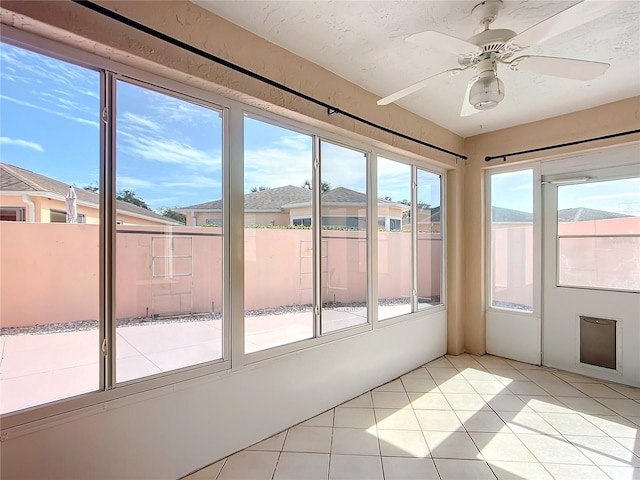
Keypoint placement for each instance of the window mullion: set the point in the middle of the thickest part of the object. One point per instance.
(414, 239)
(316, 228)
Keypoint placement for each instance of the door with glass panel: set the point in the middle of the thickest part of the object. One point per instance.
(592, 270)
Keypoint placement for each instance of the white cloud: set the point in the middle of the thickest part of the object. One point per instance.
(53, 112)
(21, 143)
(610, 196)
(171, 151)
(129, 183)
(138, 122)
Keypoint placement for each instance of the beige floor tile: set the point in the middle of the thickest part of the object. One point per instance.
(614, 425)
(323, 420)
(630, 392)
(398, 468)
(442, 373)
(392, 419)
(548, 449)
(544, 404)
(476, 374)
(525, 388)
(466, 401)
(622, 473)
(402, 443)
(420, 373)
(586, 405)
(502, 447)
(363, 400)
(354, 418)
(527, 422)
(464, 361)
(597, 390)
(247, 465)
(455, 385)
(572, 424)
(493, 387)
(506, 403)
(355, 441)
(355, 467)
(631, 444)
(539, 375)
(489, 361)
(415, 384)
(429, 401)
(302, 466)
(521, 366)
(622, 406)
(450, 469)
(483, 421)
(207, 473)
(604, 451)
(633, 419)
(393, 386)
(390, 400)
(439, 420)
(519, 471)
(439, 363)
(271, 444)
(573, 472)
(451, 445)
(507, 375)
(560, 388)
(308, 440)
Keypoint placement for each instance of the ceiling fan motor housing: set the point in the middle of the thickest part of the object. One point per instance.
(488, 90)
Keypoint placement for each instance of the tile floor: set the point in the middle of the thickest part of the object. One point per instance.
(459, 417)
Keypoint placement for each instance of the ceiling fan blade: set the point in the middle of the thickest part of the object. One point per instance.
(416, 86)
(564, 21)
(443, 42)
(468, 109)
(560, 67)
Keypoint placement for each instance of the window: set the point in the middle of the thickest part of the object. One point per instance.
(599, 235)
(395, 257)
(12, 214)
(168, 276)
(50, 314)
(429, 241)
(511, 195)
(278, 261)
(343, 249)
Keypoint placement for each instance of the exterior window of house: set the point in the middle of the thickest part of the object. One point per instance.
(213, 222)
(12, 214)
(278, 262)
(429, 241)
(50, 304)
(599, 235)
(57, 216)
(169, 295)
(343, 249)
(302, 221)
(511, 195)
(395, 256)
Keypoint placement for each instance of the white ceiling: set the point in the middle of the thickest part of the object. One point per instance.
(363, 42)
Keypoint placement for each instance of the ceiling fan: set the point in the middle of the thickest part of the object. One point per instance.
(484, 51)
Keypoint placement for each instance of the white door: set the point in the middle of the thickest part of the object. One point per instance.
(591, 265)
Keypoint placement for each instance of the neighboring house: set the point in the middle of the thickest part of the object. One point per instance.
(26, 196)
(289, 205)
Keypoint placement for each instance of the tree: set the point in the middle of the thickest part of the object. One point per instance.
(130, 196)
(261, 188)
(170, 212)
(324, 186)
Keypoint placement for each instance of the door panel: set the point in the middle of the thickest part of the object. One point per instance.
(591, 269)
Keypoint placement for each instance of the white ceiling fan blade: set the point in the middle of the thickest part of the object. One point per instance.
(415, 87)
(564, 21)
(443, 42)
(560, 67)
(468, 109)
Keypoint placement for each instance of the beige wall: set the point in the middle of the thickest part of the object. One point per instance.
(607, 119)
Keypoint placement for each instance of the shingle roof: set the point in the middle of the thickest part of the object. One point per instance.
(16, 179)
(279, 198)
(507, 215)
(583, 214)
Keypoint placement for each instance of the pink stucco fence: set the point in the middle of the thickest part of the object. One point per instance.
(49, 273)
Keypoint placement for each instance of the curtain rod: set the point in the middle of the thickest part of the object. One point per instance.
(577, 142)
(331, 110)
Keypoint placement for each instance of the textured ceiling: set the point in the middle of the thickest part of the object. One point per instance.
(364, 42)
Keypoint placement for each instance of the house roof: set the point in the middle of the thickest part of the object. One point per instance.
(16, 179)
(580, 214)
(280, 198)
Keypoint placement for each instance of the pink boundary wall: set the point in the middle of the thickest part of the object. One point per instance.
(49, 273)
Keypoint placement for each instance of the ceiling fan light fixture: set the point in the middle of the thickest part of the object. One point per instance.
(486, 92)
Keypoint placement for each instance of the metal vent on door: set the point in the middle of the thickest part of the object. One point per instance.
(598, 341)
